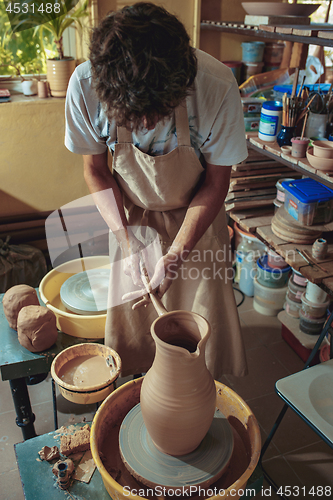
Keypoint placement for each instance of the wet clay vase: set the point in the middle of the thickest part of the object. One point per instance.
(178, 393)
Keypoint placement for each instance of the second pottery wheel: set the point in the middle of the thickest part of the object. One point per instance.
(153, 468)
(86, 292)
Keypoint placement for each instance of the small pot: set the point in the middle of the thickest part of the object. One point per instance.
(29, 87)
(299, 146)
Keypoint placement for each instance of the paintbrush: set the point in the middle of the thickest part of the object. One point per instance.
(304, 124)
(304, 257)
(308, 259)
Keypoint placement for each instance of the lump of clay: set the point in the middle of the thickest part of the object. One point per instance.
(47, 453)
(36, 328)
(15, 298)
(79, 441)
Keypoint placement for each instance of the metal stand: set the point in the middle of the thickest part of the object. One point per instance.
(286, 406)
(24, 416)
(54, 400)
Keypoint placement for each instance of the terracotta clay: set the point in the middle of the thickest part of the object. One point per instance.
(47, 453)
(15, 298)
(79, 441)
(70, 467)
(36, 328)
(178, 394)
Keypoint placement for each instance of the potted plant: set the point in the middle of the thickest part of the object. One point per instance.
(28, 83)
(56, 20)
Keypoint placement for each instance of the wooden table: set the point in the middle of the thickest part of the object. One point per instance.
(19, 366)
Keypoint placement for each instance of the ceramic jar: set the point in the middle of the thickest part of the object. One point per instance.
(178, 393)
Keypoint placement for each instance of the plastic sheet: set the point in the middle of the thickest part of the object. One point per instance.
(20, 264)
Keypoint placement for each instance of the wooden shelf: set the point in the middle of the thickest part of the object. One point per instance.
(272, 150)
(255, 31)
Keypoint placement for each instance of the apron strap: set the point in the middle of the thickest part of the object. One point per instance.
(124, 135)
(182, 127)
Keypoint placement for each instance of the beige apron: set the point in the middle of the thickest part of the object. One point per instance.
(157, 191)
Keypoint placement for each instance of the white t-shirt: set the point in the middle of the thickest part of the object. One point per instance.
(214, 113)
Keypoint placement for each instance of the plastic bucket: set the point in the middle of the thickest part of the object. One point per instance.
(252, 69)
(292, 308)
(269, 276)
(312, 310)
(315, 294)
(236, 67)
(273, 53)
(253, 52)
(268, 301)
(309, 325)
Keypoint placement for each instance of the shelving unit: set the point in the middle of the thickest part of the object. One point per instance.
(258, 221)
(323, 38)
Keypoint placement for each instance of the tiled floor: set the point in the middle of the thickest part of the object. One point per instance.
(295, 458)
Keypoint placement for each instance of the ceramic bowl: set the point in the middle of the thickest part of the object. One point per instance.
(323, 149)
(92, 393)
(286, 150)
(279, 8)
(325, 164)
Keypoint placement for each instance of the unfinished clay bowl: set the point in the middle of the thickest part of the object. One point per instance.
(324, 164)
(323, 149)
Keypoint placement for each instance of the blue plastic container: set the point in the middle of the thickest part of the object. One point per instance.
(272, 277)
(253, 51)
(308, 201)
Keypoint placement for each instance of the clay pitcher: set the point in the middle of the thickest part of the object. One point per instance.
(178, 393)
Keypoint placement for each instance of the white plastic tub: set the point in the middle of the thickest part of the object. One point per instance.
(314, 310)
(315, 294)
(268, 301)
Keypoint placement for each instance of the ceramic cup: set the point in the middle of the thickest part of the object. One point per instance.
(43, 89)
(299, 146)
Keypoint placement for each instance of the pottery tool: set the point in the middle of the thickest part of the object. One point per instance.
(306, 108)
(304, 124)
(309, 260)
(306, 253)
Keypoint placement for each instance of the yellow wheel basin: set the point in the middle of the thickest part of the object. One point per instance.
(76, 325)
(121, 485)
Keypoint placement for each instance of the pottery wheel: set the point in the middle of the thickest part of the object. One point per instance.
(152, 467)
(86, 292)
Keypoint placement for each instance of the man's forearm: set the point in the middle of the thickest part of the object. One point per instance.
(107, 197)
(203, 209)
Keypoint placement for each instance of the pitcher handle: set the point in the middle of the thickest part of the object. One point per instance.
(157, 303)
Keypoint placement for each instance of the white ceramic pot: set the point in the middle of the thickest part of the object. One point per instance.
(29, 87)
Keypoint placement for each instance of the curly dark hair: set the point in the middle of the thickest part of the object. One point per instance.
(142, 64)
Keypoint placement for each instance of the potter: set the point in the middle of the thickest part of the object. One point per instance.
(172, 120)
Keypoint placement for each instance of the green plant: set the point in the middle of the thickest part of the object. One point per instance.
(21, 50)
(71, 13)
